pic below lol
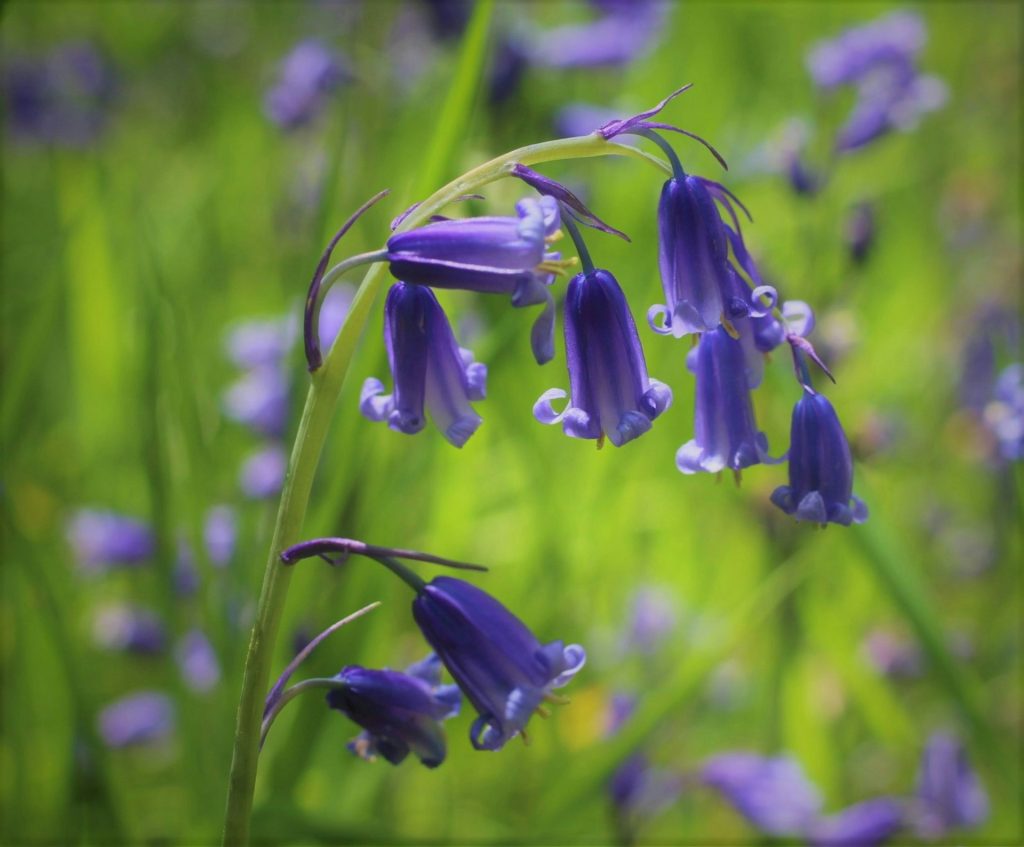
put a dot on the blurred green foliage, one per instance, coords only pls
(123, 264)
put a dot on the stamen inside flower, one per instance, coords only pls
(557, 235)
(559, 267)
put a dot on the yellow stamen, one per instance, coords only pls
(557, 699)
(544, 711)
(558, 266)
(737, 476)
(557, 235)
(729, 328)
(600, 441)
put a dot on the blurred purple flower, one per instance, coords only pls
(130, 629)
(949, 794)
(867, 824)
(185, 576)
(895, 39)
(497, 662)
(860, 232)
(262, 473)
(260, 400)
(399, 712)
(308, 75)
(197, 661)
(612, 394)
(620, 709)
(639, 791)
(725, 432)
(820, 467)
(893, 656)
(140, 718)
(62, 97)
(622, 34)
(653, 618)
(1004, 415)
(333, 312)
(894, 100)
(509, 64)
(427, 367)
(448, 18)
(256, 343)
(102, 540)
(773, 794)
(220, 532)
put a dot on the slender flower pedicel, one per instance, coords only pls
(611, 392)
(428, 368)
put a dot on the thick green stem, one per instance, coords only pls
(309, 441)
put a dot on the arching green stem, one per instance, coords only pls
(309, 441)
(577, 239)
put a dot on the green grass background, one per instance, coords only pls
(123, 264)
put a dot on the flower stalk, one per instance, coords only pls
(321, 400)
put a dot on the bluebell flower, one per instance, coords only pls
(893, 100)
(893, 656)
(772, 793)
(428, 368)
(141, 718)
(1004, 415)
(130, 629)
(725, 431)
(623, 34)
(492, 255)
(950, 795)
(260, 400)
(307, 77)
(693, 257)
(257, 343)
(103, 539)
(860, 232)
(262, 473)
(62, 97)
(220, 532)
(639, 791)
(654, 615)
(497, 662)
(399, 712)
(197, 661)
(611, 392)
(867, 824)
(448, 18)
(820, 467)
(891, 41)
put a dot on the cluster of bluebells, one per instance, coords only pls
(495, 660)
(105, 541)
(308, 76)
(62, 97)
(260, 399)
(713, 291)
(775, 797)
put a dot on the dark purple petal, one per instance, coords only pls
(860, 232)
(611, 392)
(725, 431)
(693, 256)
(496, 661)
(399, 713)
(617, 127)
(820, 467)
(428, 367)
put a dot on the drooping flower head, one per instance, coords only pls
(772, 793)
(949, 793)
(492, 255)
(820, 467)
(612, 394)
(102, 539)
(725, 431)
(497, 662)
(399, 712)
(428, 369)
